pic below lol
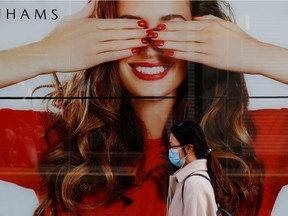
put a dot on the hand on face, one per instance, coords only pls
(208, 40)
(79, 42)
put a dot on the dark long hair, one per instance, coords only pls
(190, 132)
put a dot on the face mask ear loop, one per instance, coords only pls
(185, 154)
(184, 151)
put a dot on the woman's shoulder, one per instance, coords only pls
(270, 145)
(23, 136)
(199, 182)
(198, 187)
(12, 113)
(11, 117)
(22, 142)
(268, 113)
(267, 119)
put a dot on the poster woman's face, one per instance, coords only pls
(150, 72)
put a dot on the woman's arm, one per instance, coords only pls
(272, 62)
(221, 44)
(78, 42)
(21, 63)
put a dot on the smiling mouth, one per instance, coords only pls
(150, 71)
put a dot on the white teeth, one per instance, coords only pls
(150, 70)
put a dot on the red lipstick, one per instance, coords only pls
(150, 71)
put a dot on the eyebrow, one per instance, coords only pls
(172, 16)
(130, 17)
(163, 18)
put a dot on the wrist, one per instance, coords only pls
(254, 57)
(39, 58)
(270, 61)
(273, 59)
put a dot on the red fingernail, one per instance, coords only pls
(161, 27)
(89, 1)
(142, 23)
(155, 35)
(145, 40)
(159, 43)
(152, 34)
(135, 50)
(149, 31)
(169, 52)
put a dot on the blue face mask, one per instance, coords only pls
(174, 157)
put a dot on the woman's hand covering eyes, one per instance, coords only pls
(79, 42)
(222, 44)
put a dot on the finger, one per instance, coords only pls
(184, 46)
(190, 25)
(107, 35)
(111, 56)
(85, 12)
(185, 36)
(118, 45)
(183, 25)
(117, 23)
(192, 57)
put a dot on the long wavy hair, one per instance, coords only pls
(102, 130)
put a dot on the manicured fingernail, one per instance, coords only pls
(151, 34)
(159, 43)
(145, 40)
(154, 35)
(142, 23)
(149, 31)
(169, 52)
(89, 1)
(135, 50)
(161, 27)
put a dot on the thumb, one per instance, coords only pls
(86, 11)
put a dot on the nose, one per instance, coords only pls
(150, 50)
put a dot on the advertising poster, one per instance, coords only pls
(94, 95)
